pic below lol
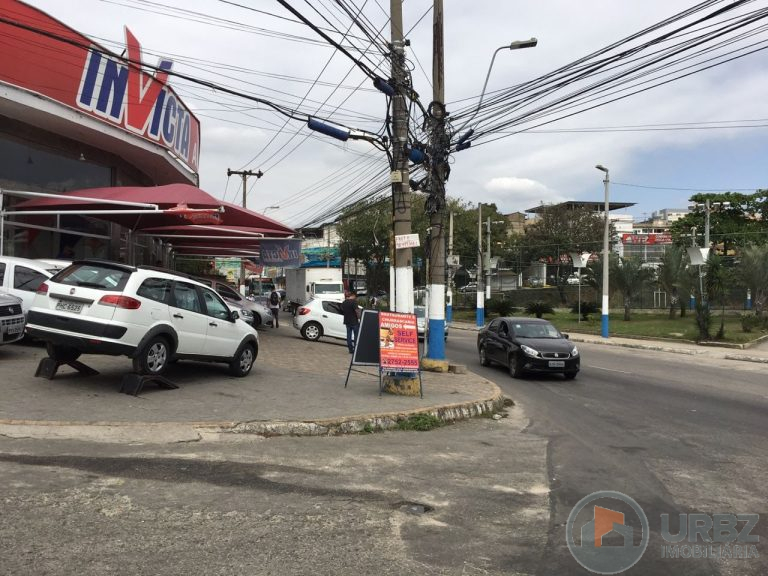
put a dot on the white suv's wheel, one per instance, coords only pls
(243, 361)
(153, 358)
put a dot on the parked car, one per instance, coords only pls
(535, 282)
(260, 313)
(317, 318)
(471, 287)
(148, 314)
(22, 276)
(526, 345)
(11, 318)
(573, 280)
(421, 321)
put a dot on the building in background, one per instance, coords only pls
(74, 115)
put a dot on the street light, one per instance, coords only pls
(270, 208)
(516, 45)
(606, 263)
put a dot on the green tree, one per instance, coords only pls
(735, 219)
(629, 277)
(717, 280)
(364, 232)
(753, 273)
(673, 278)
(561, 230)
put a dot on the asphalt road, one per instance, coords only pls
(677, 433)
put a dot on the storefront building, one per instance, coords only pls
(73, 116)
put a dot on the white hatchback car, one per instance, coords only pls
(318, 318)
(149, 315)
(21, 277)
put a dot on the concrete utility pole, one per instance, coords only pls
(480, 313)
(449, 285)
(244, 174)
(436, 281)
(401, 193)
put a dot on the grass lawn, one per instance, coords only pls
(643, 324)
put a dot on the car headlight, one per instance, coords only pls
(574, 352)
(528, 350)
(245, 313)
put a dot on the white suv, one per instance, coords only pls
(149, 315)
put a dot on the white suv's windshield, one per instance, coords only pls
(93, 276)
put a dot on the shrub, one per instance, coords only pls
(587, 308)
(500, 306)
(750, 321)
(539, 308)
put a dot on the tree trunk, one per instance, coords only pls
(627, 308)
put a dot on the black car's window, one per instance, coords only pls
(538, 330)
(227, 292)
(93, 276)
(332, 307)
(503, 329)
(27, 279)
(156, 289)
(494, 325)
(214, 306)
(2, 273)
(185, 297)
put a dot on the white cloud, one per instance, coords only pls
(511, 194)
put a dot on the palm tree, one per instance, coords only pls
(629, 277)
(753, 272)
(716, 284)
(672, 277)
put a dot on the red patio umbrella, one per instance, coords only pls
(180, 204)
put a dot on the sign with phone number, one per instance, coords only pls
(398, 342)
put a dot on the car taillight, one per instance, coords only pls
(303, 311)
(119, 301)
(43, 288)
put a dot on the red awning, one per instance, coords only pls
(181, 199)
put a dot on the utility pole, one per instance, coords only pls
(244, 174)
(449, 284)
(480, 314)
(401, 194)
(488, 259)
(436, 280)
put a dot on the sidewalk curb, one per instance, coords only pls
(371, 422)
(744, 358)
(176, 432)
(685, 351)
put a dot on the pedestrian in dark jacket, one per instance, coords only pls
(351, 319)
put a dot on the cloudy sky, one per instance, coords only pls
(257, 47)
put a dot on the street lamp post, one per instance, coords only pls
(606, 261)
(516, 45)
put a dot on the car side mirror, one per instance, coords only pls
(565, 336)
(234, 316)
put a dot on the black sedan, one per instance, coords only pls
(527, 345)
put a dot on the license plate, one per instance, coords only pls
(66, 306)
(557, 363)
(15, 328)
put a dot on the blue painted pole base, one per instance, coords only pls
(436, 340)
(480, 317)
(604, 325)
(449, 313)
